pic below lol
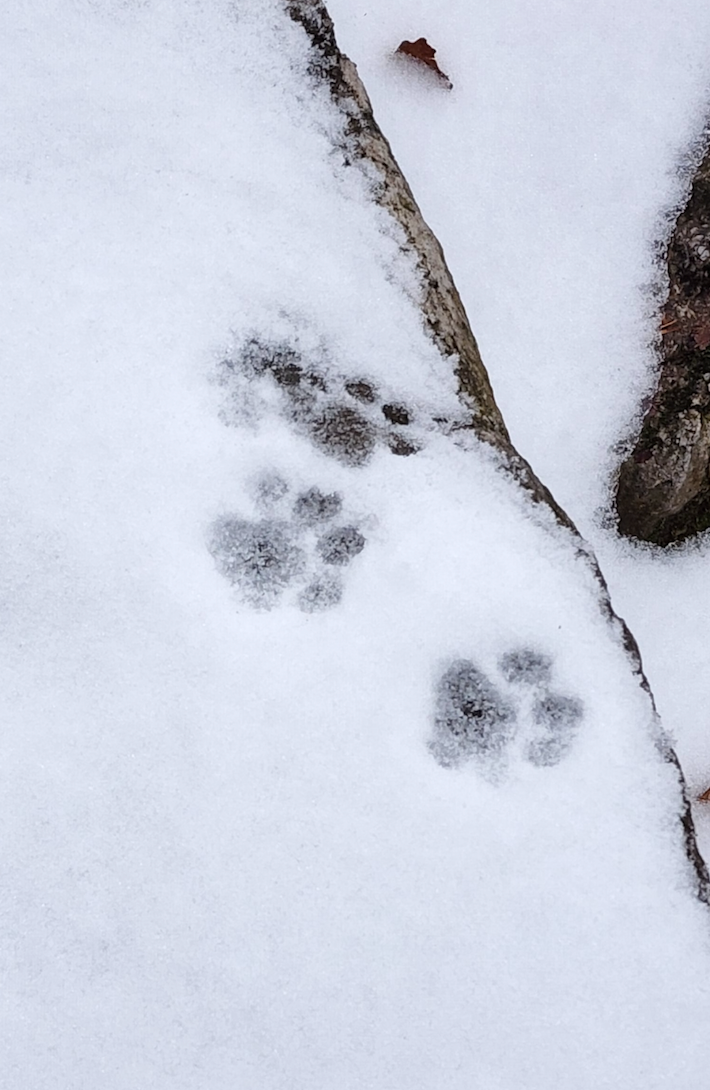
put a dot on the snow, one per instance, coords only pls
(550, 175)
(230, 856)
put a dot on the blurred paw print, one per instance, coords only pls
(478, 719)
(473, 720)
(344, 417)
(295, 549)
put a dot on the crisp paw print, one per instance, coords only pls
(295, 549)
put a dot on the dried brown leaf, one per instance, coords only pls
(424, 53)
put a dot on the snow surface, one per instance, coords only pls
(550, 175)
(230, 857)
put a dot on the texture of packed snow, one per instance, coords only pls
(254, 836)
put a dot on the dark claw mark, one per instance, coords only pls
(399, 445)
(289, 374)
(361, 391)
(315, 380)
(396, 414)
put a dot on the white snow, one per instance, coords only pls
(550, 175)
(229, 856)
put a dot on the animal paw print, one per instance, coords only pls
(300, 546)
(476, 719)
(555, 716)
(472, 719)
(345, 417)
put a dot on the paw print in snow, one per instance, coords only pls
(556, 719)
(339, 546)
(345, 417)
(555, 716)
(298, 551)
(269, 491)
(313, 508)
(261, 558)
(474, 720)
(323, 592)
(525, 666)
